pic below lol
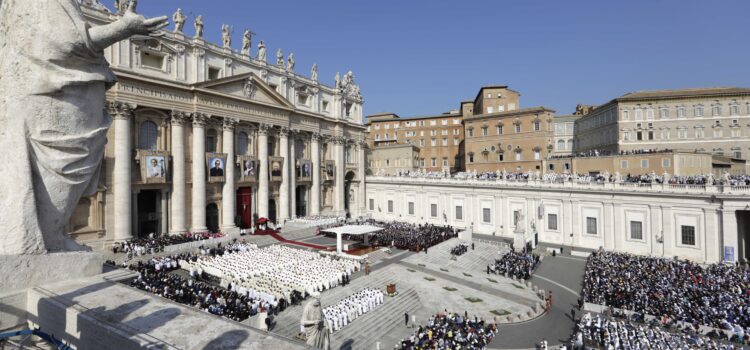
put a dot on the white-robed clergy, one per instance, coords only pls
(345, 311)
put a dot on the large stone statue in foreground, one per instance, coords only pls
(315, 325)
(53, 123)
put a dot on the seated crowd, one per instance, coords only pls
(154, 276)
(600, 332)
(318, 220)
(460, 249)
(404, 235)
(274, 273)
(347, 310)
(450, 331)
(153, 244)
(716, 295)
(519, 265)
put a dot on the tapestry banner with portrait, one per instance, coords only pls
(153, 166)
(217, 163)
(329, 173)
(277, 167)
(249, 167)
(304, 170)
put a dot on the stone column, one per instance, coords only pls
(164, 209)
(316, 169)
(362, 194)
(179, 198)
(122, 183)
(228, 192)
(263, 171)
(293, 176)
(198, 220)
(134, 227)
(338, 192)
(284, 188)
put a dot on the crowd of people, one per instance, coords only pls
(318, 220)
(604, 333)
(725, 179)
(347, 310)
(518, 264)
(154, 276)
(403, 235)
(460, 249)
(716, 295)
(450, 331)
(153, 244)
(275, 272)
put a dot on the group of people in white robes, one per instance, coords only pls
(347, 310)
(275, 272)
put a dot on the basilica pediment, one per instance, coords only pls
(247, 86)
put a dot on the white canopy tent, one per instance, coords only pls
(351, 230)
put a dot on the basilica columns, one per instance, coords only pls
(338, 191)
(317, 167)
(263, 171)
(121, 184)
(361, 193)
(228, 194)
(198, 221)
(293, 177)
(284, 188)
(179, 224)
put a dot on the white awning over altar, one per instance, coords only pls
(351, 230)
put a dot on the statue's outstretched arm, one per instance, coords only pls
(130, 24)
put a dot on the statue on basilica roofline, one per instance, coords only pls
(261, 51)
(247, 39)
(226, 36)
(290, 63)
(179, 20)
(337, 81)
(280, 58)
(314, 72)
(52, 112)
(349, 87)
(199, 27)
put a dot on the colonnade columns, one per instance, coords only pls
(263, 171)
(163, 211)
(338, 191)
(179, 200)
(198, 220)
(293, 176)
(121, 184)
(228, 192)
(361, 196)
(284, 188)
(317, 167)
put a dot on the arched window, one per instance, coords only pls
(147, 136)
(570, 145)
(211, 140)
(242, 142)
(560, 145)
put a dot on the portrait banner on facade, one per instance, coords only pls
(217, 166)
(249, 167)
(304, 170)
(277, 167)
(153, 166)
(329, 172)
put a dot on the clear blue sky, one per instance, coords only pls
(423, 57)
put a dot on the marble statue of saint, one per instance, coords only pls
(199, 27)
(261, 51)
(290, 62)
(315, 324)
(314, 72)
(280, 58)
(179, 20)
(53, 124)
(226, 35)
(247, 39)
(337, 80)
